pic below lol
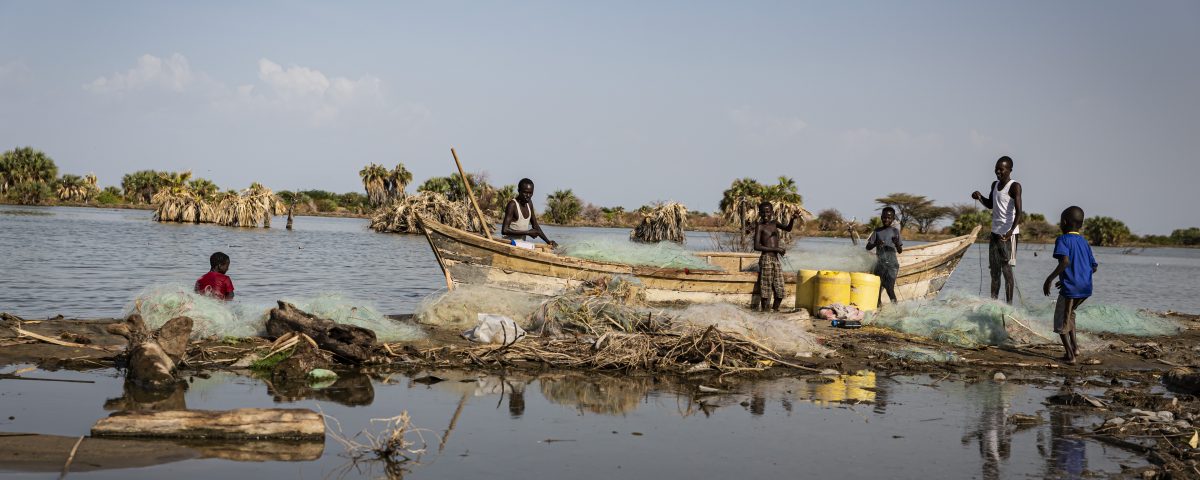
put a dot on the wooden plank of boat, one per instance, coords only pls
(474, 260)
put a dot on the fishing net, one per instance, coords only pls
(217, 318)
(210, 317)
(785, 336)
(965, 320)
(663, 254)
(346, 311)
(460, 308)
(614, 304)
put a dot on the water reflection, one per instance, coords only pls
(351, 389)
(596, 394)
(990, 429)
(136, 398)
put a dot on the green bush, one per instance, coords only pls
(110, 196)
(967, 221)
(326, 205)
(30, 192)
(1105, 231)
(1186, 236)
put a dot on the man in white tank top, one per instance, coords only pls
(519, 219)
(1005, 203)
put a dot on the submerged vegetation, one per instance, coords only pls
(401, 215)
(251, 207)
(665, 222)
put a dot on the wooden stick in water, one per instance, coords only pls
(483, 226)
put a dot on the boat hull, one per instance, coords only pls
(469, 259)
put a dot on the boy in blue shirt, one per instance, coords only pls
(1075, 268)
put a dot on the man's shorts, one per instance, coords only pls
(1001, 252)
(1064, 313)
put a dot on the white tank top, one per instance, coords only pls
(1004, 210)
(522, 221)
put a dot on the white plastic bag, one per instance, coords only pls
(494, 328)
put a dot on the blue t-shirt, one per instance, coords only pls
(1077, 278)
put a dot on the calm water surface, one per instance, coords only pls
(571, 426)
(88, 262)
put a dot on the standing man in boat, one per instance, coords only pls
(1005, 203)
(519, 219)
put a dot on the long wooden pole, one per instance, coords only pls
(483, 224)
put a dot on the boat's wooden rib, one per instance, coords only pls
(473, 260)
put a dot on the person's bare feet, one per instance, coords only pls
(1068, 359)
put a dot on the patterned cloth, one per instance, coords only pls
(770, 276)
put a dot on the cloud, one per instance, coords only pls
(282, 93)
(170, 74)
(14, 72)
(760, 126)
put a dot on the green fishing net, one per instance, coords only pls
(662, 254)
(217, 318)
(965, 320)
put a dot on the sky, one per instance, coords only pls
(626, 103)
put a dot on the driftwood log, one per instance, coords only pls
(350, 343)
(1183, 379)
(30, 452)
(153, 355)
(244, 423)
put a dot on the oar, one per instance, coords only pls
(483, 226)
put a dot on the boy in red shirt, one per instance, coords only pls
(215, 283)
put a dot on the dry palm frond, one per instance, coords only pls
(249, 208)
(665, 222)
(401, 215)
(743, 214)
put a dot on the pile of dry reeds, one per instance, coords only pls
(689, 350)
(248, 208)
(664, 222)
(401, 215)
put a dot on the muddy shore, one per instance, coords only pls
(1122, 382)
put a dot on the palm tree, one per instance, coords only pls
(398, 180)
(73, 188)
(376, 179)
(25, 164)
(563, 206)
(203, 187)
(140, 186)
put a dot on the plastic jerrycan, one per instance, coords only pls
(806, 288)
(864, 291)
(832, 287)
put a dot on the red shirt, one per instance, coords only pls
(215, 284)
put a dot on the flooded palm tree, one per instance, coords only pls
(398, 180)
(198, 202)
(375, 180)
(664, 222)
(73, 188)
(401, 215)
(26, 165)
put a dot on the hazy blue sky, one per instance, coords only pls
(627, 102)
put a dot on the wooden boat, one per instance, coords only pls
(470, 259)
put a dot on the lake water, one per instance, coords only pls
(571, 426)
(90, 263)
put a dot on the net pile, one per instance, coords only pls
(968, 321)
(663, 254)
(217, 318)
(460, 308)
(790, 338)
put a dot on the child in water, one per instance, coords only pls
(1074, 272)
(886, 241)
(215, 283)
